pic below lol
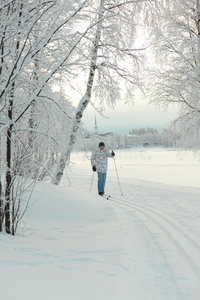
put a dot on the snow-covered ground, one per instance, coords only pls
(76, 245)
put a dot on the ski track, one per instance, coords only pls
(172, 247)
(162, 244)
(138, 241)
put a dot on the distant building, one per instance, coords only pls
(96, 132)
(106, 134)
(132, 140)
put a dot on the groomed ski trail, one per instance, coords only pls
(160, 253)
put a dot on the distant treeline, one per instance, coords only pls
(141, 131)
(146, 137)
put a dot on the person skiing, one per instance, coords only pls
(99, 162)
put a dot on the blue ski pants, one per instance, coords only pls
(101, 182)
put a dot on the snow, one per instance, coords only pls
(73, 244)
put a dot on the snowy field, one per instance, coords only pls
(76, 245)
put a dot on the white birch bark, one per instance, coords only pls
(65, 156)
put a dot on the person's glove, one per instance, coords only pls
(112, 153)
(94, 168)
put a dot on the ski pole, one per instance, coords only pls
(91, 182)
(118, 177)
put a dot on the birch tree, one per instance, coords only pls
(175, 73)
(111, 43)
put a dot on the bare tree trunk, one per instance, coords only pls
(1, 190)
(1, 207)
(65, 156)
(8, 188)
(1, 200)
(8, 169)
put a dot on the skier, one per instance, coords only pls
(99, 162)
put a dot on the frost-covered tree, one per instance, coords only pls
(111, 61)
(42, 42)
(31, 56)
(175, 71)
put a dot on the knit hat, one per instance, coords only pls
(101, 144)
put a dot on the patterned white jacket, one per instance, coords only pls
(99, 159)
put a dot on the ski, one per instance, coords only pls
(107, 197)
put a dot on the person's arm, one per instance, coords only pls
(112, 154)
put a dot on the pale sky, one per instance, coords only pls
(127, 117)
